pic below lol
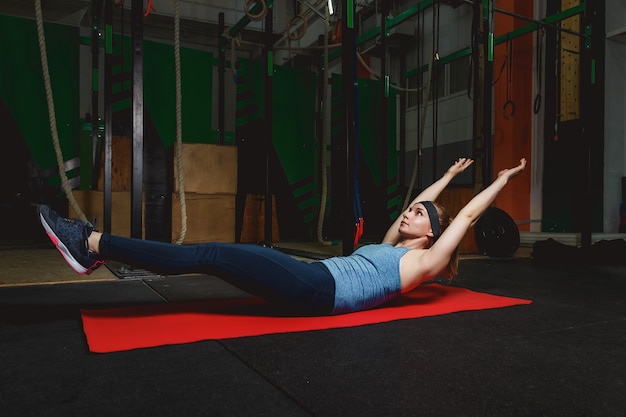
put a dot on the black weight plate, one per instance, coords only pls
(496, 234)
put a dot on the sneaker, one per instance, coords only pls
(70, 238)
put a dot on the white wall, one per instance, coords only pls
(455, 114)
(614, 112)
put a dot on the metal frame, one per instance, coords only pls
(268, 58)
(95, 67)
(348, 80)
(108, 114)
(138, 111)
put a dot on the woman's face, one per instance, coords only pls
(415, 222)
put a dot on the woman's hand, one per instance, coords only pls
(460, 165)
(512, 172)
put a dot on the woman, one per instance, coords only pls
(421, 244)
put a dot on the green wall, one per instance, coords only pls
(196, 68)
(23, 91)
(295, 140)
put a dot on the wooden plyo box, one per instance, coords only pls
(210, 217)
(121, 164)
(208, 169)
(253, 228)
(92, 204)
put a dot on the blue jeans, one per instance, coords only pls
(261, 271)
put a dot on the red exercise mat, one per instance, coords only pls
(126, 328)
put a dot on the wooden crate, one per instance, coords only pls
(121, 163)
(253, 228)
(210, 217)
(92, 204)
(207, 169)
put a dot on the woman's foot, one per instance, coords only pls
(70, 238)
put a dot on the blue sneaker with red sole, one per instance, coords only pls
(70, 238)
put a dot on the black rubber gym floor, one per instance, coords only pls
(563, 355)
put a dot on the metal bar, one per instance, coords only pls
(489, 26)
(487, 98)
(435, 86)
(95, 100)
(592, 117)
(136, 221)
(384, 113)
(409, 13)
(392, 22)
(421, 6)
(477, 142)
(402, 133)
(269, 131)
(221, 68)
(348, 80)
(108, 115)
(313, 9)
(547, 22)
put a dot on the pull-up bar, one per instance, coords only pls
(536, 24)
(548, 22)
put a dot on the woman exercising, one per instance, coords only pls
(421, 244)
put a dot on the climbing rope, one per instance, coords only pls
(51, 113)
(179, 126)
(431, 69)
(235, 41)
(407, 199)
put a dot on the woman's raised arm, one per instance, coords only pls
(437, 257)
(430, 193)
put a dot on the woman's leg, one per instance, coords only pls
(258, 270)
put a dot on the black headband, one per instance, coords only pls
(434, 218)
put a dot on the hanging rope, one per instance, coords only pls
(51, 113)
(235, 41)
(407, 199)
(431, 69)
(179, 126)
(508, 110)
(436, 73)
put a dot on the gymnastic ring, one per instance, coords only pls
(508, 104)
(259, 16)
(302, 31)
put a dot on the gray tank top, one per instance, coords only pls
(367, 278)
